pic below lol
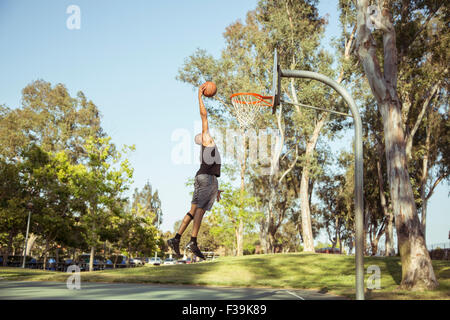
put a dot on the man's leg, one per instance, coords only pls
(192, 245)
(187, 219)
(199, 212)
(174, 243)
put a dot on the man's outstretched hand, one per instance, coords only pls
(201, 89)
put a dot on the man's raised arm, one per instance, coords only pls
(206, 138)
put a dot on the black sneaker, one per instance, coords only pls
(192, 247)
(174, 243)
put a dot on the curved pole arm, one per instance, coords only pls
(359, 205)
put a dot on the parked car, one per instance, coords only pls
(120, 260)
(84, 259)
(184, 260)
(16, 261)
(329, 250)
(154, 261)
(108, 264)
(210, 255)
(51, 264)
(136, 262)
(32, 263)
(170, 261)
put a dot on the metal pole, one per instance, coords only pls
(359, 205)
(156, 251)
(26, 236)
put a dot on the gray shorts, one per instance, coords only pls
(205, 191)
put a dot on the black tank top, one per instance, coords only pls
(211, 161)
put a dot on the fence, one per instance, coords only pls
(62, 266)
(439, 251)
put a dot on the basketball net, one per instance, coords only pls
(247, 107)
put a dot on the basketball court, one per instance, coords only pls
(31, 290)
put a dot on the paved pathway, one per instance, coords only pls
(124, 291)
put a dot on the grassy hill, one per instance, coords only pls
(327, 273)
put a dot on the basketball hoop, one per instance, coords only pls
(247, 107)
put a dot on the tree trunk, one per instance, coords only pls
(47, 244)
(91, 259)
(366, 227)
(7, 250)
(240, 227)
(417, 270)
(116, 257)
(369, 252)
(307, 234)
(272, 240)
(94, 238)
(389, 231)
(5, 254)
(240, 242)
(389, 236)
(423, 183)
(424, 218)
(375, 238)
(31, 241)
(308, 240)
(270, 219)
(338, 233)
(239, 239)
(263, 235)
(374, 246)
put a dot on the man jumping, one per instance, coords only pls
(206, 187)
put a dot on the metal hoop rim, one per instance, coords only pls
(256, 95)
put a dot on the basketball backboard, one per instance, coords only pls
(276, 82)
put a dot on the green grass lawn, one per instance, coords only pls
(328, 273)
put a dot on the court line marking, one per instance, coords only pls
(291, 293)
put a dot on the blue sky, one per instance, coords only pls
(125, 58)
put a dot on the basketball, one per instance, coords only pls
(210, 89)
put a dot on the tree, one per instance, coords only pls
(12, 139)
(55, 121)
(288, 19)
(148, 201)
(12, 207)
(417, 270)
(276, 195)
(289, 237)
(336, 209)
(138, 223)
(54, 154)
(44, 138)
(430, 154)
(236, 211)
(102, 186)
(48, 181)
(137, 233)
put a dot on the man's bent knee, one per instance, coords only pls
(189, 215)
(200, 211)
